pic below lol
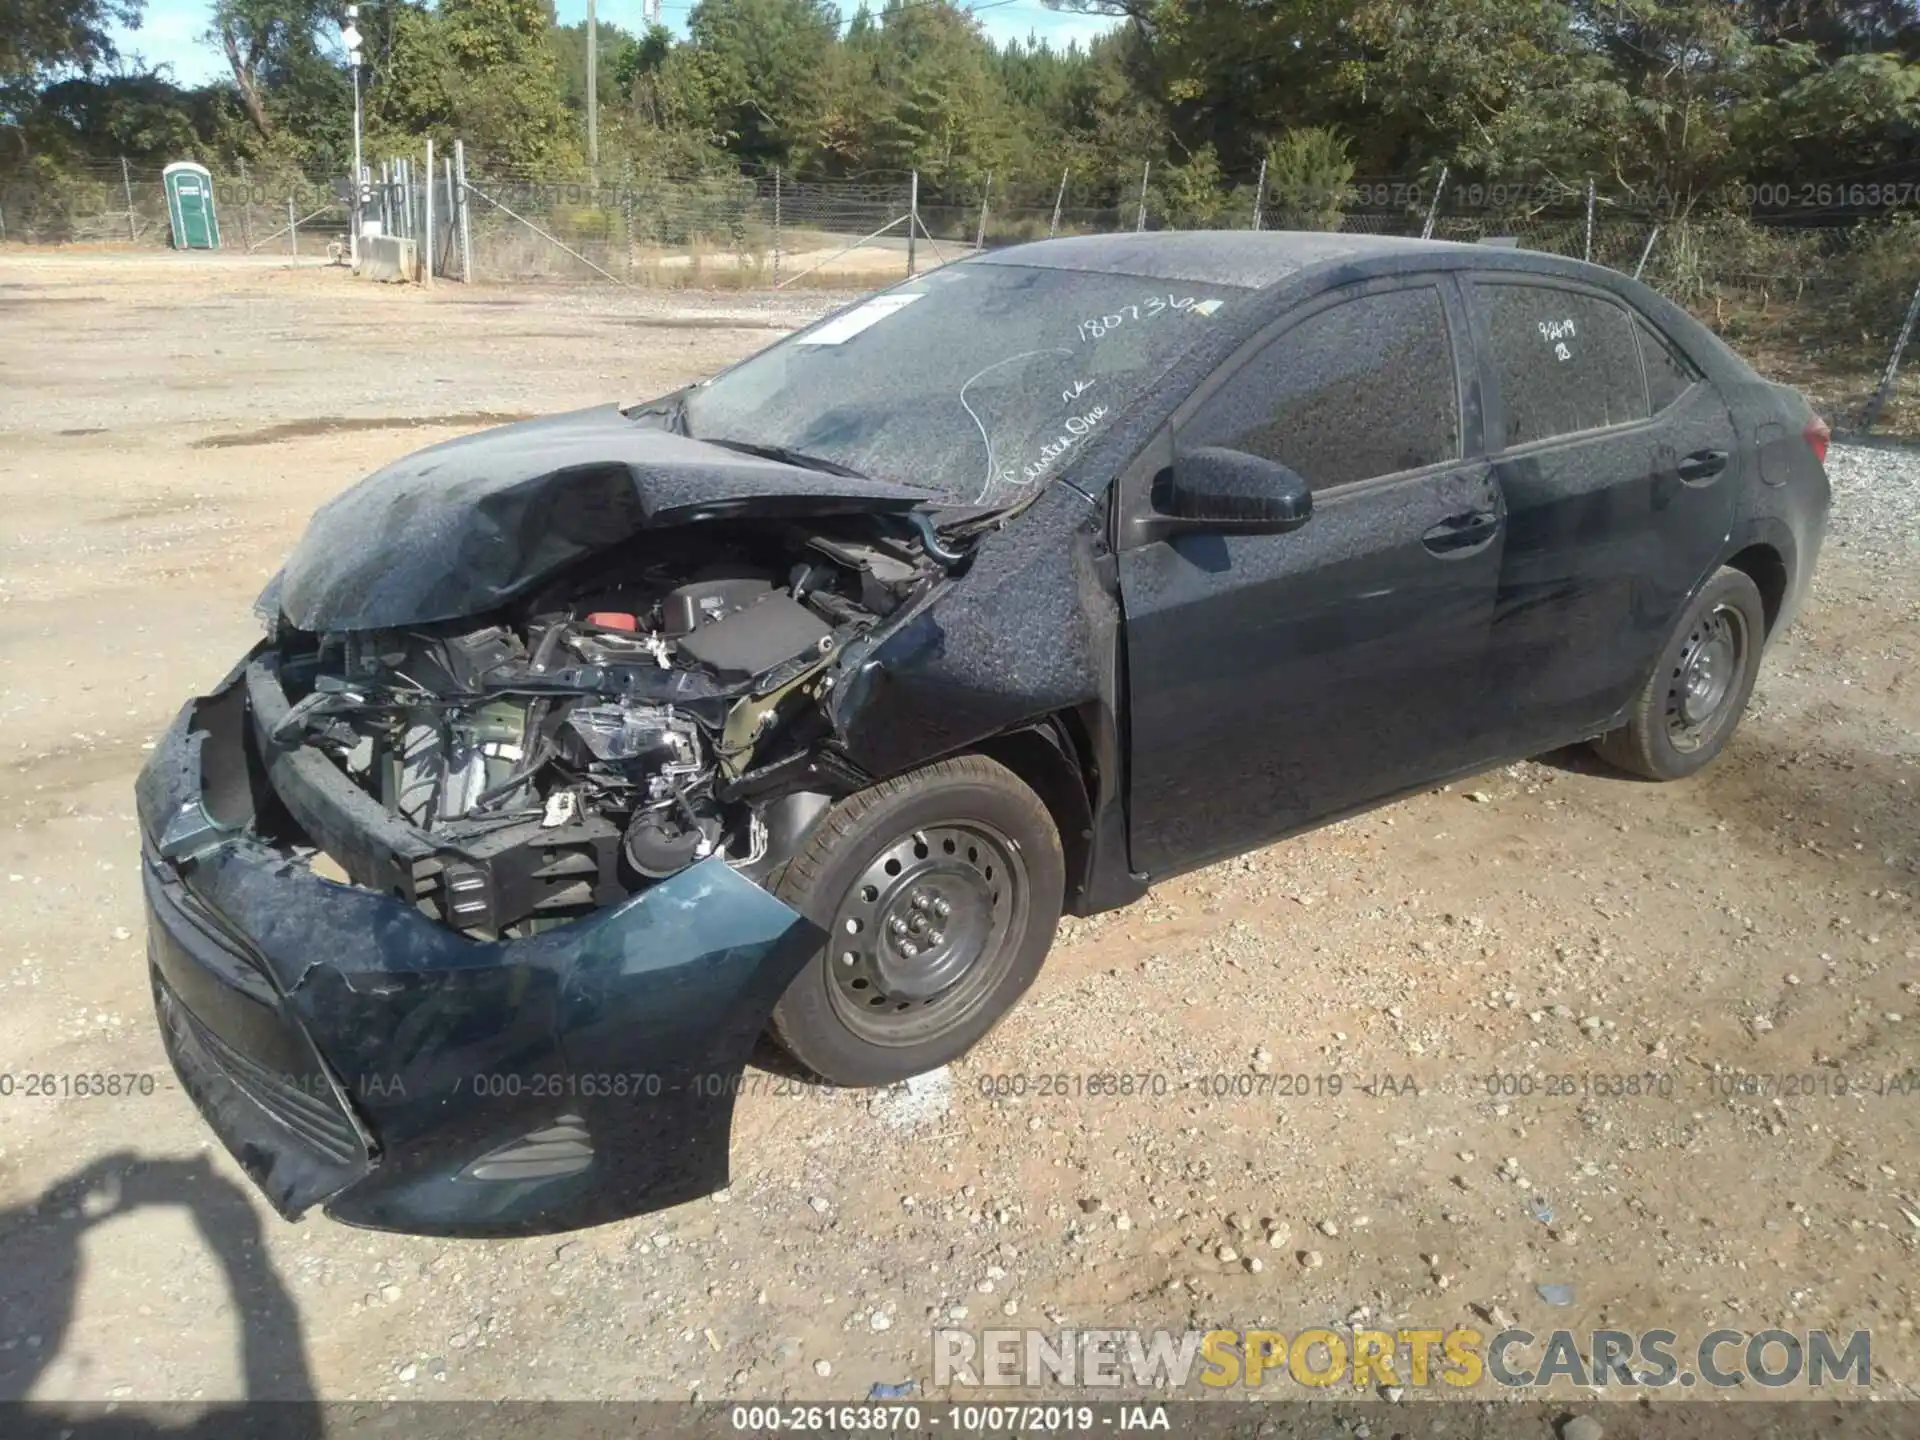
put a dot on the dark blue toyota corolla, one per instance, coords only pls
(581, 753)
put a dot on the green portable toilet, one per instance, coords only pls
(190, 206)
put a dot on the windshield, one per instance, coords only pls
(977, 383)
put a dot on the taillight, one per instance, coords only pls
(1817, 434)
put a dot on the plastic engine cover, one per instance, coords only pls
(752, 641)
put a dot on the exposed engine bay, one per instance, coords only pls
(580, 745)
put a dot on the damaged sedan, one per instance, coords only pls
(582, 753)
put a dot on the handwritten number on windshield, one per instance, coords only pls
(1099, 326)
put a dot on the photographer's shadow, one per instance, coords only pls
(41, 1258)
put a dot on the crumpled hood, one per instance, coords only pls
(462, 527)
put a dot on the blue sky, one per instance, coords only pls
(171, 30)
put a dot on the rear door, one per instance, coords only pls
(1274, 680)
(196, 213)
(1618, 469)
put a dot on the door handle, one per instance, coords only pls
(1701, 465)
(1461, 534)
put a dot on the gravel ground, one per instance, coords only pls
(162, 448)
(1876, 498)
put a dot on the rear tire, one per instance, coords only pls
(939, 891)
(1698, 691)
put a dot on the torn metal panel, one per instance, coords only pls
(1014, 637)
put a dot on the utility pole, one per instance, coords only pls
(980, 235)
(913, 218)
(1140, 220)
(350, 37)
(593, 97)
(1059, 199)
(1259, 193)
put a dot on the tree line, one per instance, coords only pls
(1683, 101)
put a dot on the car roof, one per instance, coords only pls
(1256, 259)
(1273, 259)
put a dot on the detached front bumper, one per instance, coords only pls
(353, 1052)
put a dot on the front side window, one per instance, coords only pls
(1567, 361)
(1363, 388)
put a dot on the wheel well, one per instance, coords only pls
(1762, 565)
(1046, 759)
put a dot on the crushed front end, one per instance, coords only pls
(457, 928)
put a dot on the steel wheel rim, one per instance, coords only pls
(927, 930)
(1706, 676)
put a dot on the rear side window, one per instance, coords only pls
(1360, 389)
(1668, 373)
(1566, 361)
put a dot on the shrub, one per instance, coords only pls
(1708, 255)
(1882, 269)
(1308, 174)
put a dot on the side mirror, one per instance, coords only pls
(1228, 492)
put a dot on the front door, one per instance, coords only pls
(1618, 468)
(195, 207)
(1276, 680)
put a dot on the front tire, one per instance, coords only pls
(939, 891)
(1693, 702)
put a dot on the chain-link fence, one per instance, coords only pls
(722, 231)
(260, 210)
(765, 228)
(1762, 276)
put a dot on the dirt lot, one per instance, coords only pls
(165, 429)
